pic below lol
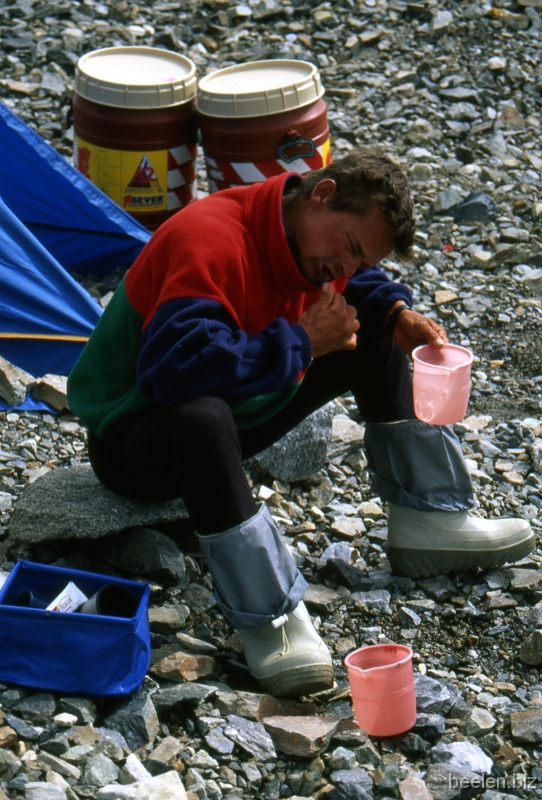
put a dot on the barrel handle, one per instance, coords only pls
(293, 139)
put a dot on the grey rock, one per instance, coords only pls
(378, 599)
(430, 726)
(81, 707)
(100, 771)
(349, 791)
(322, 494)
(110, 746)
(439, 587)
(192, 645)
(60, 765)
(440, 23)
(303, 451)
(342, 758)
(9, 764)
(218, 741)
(432, 695)
(23, 730)
(356, 775)
(458, 94)
(168, 619)
(136, 719)
(526, 726)
(448, 782)
(14, 383)
(478, 722)
(162, 787)
(337, 550)
(462, 112)
(147, 553)
(37, 708)
(58, 745)
(346, 436)
(531, 648)
(447, 199)
(408, 617)
(73, 504)
(251, 737)
(52, 389)
(534, 616)
(133, 771)
(39, 790)
(529, 580)
(188, 695)
(464, 755)
(413, 744)
(477, 207)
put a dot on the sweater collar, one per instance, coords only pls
(263, 209)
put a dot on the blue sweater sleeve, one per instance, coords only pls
(373, 294)
(193, 346)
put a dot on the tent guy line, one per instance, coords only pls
(62, 338)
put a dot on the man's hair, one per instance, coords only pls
(365, 179)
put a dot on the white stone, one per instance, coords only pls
(36, 790)
(65, 720)
(497, 63)
(162, 787)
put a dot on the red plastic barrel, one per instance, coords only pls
(262, 119)
(135, 124)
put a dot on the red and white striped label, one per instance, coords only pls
(182, 176)
(227, 174)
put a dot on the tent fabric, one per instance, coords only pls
(39, 299)
(74, 220)
(52, 221)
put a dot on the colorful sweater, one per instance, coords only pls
(210, 306)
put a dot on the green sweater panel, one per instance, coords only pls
(102, 388)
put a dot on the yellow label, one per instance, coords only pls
(136, 180)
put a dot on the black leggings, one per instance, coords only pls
(193, 449)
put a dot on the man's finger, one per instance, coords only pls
(327, 296)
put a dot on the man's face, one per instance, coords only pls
(329, 244)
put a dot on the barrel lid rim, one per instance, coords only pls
(208, 96)
(188, 82)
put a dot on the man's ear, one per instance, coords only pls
(323, 192)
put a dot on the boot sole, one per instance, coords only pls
(427, 563)
(299, 681)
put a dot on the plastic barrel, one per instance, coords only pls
(262, 119)
(135, 125)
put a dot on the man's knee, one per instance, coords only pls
(205, 416)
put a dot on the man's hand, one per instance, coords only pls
(330, 323)
(413, 329)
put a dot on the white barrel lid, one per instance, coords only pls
(259, 88)
(136, 77)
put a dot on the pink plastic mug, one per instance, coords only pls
(441, 383)
(382, 685)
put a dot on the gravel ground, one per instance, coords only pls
(452, 90)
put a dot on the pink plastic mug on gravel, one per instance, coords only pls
(382, 686)
(441, 383)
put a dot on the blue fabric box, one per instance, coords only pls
(72, 653)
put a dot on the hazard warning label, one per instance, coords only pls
(136, 180)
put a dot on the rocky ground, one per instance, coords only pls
(452, 90)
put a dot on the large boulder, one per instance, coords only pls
(73, 504)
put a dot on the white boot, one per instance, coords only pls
(289, 660)
(424, 543)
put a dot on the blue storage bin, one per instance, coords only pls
(71, 653)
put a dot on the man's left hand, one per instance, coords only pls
(413, 329)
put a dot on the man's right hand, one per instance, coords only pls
(330, 323)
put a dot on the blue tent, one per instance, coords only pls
(77, 223)
(52, 221)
